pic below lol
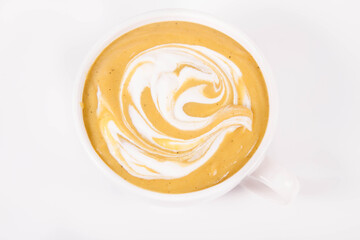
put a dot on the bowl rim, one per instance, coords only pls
(195, 17)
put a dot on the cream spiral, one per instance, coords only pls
(177, 103)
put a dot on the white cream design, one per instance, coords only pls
(138, 144)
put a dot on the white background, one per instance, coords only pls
(50, 189)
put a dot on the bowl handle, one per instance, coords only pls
(273, 181)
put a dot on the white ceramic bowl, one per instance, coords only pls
(204, 19)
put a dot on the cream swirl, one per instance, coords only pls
(177, 103)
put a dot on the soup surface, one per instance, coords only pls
(175, 107)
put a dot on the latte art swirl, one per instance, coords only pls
(177, 103)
